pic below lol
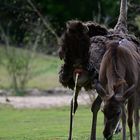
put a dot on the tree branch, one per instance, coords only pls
(43, 20)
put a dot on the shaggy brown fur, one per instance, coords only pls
(75, 44)
(82, 41)
(75, 49)
(95, 29)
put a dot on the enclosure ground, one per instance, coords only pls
(47, 124)
(43, 101)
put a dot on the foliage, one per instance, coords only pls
(138, 21)
(16, 18)
(43, 71)
(133, 17)
(18, 65)
(19, 17)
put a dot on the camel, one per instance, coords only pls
(82, 48)
(114, 108)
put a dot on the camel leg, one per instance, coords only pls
(73, 107)
(130, 108)
(123, 122)
(136, 118)
(95, 108)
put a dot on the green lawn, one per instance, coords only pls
(46, 124)
(45, 72)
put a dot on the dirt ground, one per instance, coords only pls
(44, 101)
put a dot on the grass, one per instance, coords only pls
(47, 124)
(44, 71)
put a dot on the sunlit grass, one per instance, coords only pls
(45, 72)
(47, 124)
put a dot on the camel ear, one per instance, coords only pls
(100, 90)
(128, 93)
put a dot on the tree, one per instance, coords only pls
(16, 17)
(19, 16)
(18, 63)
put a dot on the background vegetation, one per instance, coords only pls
(20, 18)
(34, 26)
(43, 70)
